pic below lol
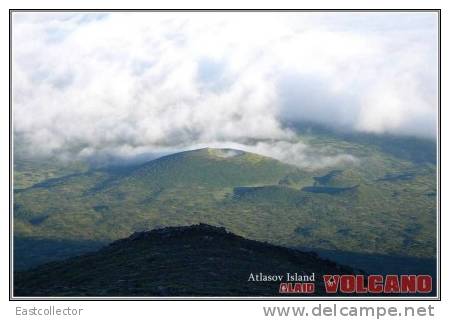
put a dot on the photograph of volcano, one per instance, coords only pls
(217, 155)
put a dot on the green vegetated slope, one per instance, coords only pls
(29, 171)
(383, 203)
(198, 260)
(107, 205)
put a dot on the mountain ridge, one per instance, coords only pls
(197, 260)
(365, 208)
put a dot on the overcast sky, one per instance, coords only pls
(127, 83)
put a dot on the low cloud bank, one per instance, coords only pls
(127, 84)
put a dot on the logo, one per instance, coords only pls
(297, 287)
(378, 284)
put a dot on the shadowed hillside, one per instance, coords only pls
(199, 260)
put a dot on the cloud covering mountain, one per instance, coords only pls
(123, 84)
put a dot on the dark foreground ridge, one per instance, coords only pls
(198, 260)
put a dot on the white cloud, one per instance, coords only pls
(296, 153)
(130, 83)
